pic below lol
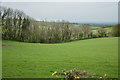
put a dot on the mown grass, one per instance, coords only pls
(35, 60)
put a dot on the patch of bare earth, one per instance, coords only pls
(6, 46)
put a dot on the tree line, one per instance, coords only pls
(16, 25)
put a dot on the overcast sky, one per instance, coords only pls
(80, 12)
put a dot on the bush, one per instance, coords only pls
(77, 74)
(116, 30)
(101, 32)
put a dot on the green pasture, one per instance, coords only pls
(38, 60)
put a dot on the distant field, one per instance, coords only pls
(95, 27)
(26, 60)
(92, 26)
(107, 28)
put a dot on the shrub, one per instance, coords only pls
(101, 32)
(116, 30)
(80, 75)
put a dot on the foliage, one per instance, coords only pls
(16, 25)
(116, 30)
(13, 23)
(77, 74)
(101, 32)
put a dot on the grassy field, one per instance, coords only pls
(109, 29)
(25, 60)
